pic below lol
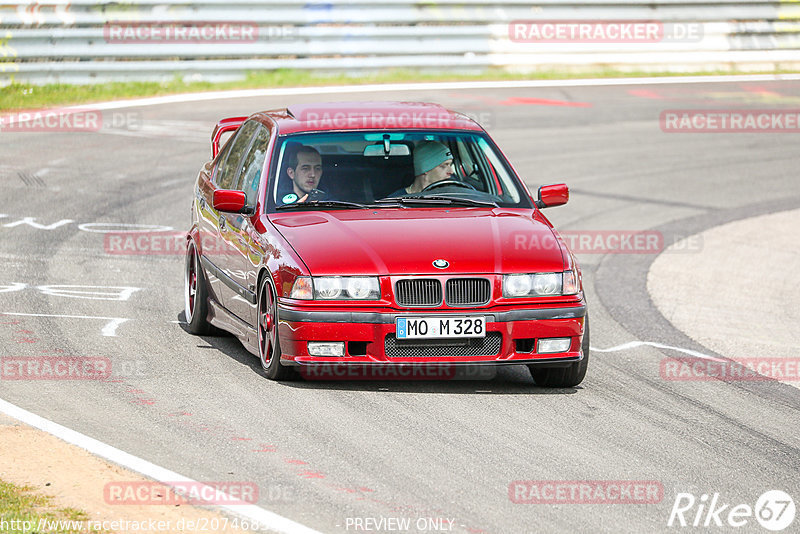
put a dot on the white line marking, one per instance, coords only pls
(15, 286)
(109, 330)
(433, 86)
(119, 228)
(263, 517)
(634, 344)
(121, 293)
(31, 221)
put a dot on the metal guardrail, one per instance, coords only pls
(82, 41)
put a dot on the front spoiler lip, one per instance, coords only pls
(528, 314)
(395, 363)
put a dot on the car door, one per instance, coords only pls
(208, 220)
(217, 251)
(241, 235)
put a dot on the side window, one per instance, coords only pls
(502, 181)
(470, 165)
(252, 165)
(226, 175)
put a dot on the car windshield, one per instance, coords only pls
(352, 170)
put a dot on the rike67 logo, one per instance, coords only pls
(774, 510)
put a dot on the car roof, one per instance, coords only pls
(351, 116)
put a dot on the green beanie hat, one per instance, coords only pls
(430, 154)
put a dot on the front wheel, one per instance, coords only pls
(269, 346)
(564, 377)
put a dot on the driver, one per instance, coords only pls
(305, 172)
(433, 162)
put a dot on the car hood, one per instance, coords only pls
(391, 241)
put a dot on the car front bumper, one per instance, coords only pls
(369, 336)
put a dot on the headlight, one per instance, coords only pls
(516, 285)
(363, 288)
(327, 288)
(336, 288)
(539, 284)
(547, 284)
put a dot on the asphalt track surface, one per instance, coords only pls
(326, 453)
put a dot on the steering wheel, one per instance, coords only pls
(441, 183)
(317, 194)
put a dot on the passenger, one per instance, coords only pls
(305, 172)
(252, 178)
(433, 162)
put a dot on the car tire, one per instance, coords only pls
(564, 377)
(269, 345)
(195, 294)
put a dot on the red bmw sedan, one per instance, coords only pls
(380, 234)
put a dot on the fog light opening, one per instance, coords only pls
(525, 345)
(326, 348)
(553, 345)
(357, 348)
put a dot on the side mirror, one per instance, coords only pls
(552, 195)
(229, 200)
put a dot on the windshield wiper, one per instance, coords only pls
(437, 200)
(323, 204)
(413, 200)
(465, 201)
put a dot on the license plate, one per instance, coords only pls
(440, 327)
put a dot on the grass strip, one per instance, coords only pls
(25, 96)
(24, 511)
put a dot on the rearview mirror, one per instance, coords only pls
(552, 195)
(396, 149)
(229, 200)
